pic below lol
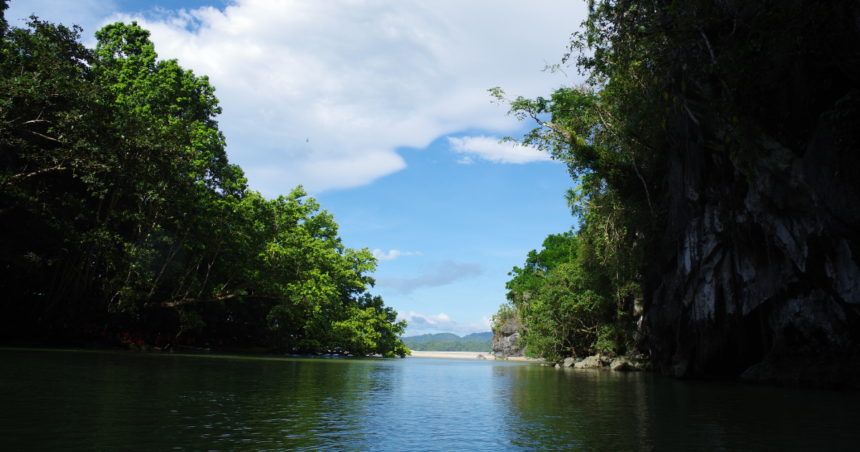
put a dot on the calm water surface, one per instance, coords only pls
(102, 401)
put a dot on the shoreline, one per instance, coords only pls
(467, 355)
(237, 352)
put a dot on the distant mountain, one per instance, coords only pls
(478, 337)
(451, 346)
(447, 337)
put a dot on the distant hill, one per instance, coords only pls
(447, 337)
(478, 337)
(447, 342)
(451, 346)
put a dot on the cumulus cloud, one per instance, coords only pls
(435, 275)
(489, 148)
(392, 254)
(86, 13)
(443, 322)
(325, 93)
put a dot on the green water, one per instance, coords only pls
(105, 401)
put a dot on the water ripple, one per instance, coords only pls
(115, 401)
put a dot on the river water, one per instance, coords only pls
(106, 401)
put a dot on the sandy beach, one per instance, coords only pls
(452, 355)
(465, 355)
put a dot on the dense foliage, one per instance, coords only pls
(566, 299)
(659, 74)
(120, 211)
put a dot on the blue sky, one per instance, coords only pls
(379, 108)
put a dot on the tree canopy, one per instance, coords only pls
(121, 211)
(708, 80)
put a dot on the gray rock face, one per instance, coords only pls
(620, 364)
(505, 339)
(761, 264)
(568, 362)
(592, 362)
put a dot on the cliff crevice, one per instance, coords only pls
(761, 268)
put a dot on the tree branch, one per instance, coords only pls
(185, 301)
(19, 177)
(43, 136)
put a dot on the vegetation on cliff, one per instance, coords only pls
(566, 300)
(682, 102)
(122, 214)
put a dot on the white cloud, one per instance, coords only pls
(392, 254)
(466, 160)
(442, 322)
(86, 13)
(435, 275)
(489, 148)
(324, 93)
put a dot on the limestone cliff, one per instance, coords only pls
(505, 339)
(754, 271)
(759, 271)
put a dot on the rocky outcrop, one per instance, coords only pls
(505, 339)
(760, 271)
(630, 362)
(621, 364)
(592, 362)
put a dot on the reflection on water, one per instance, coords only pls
(126, 401)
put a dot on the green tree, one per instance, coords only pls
(121, 207)
(49, 123)
(699, 79)
(564, 298)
